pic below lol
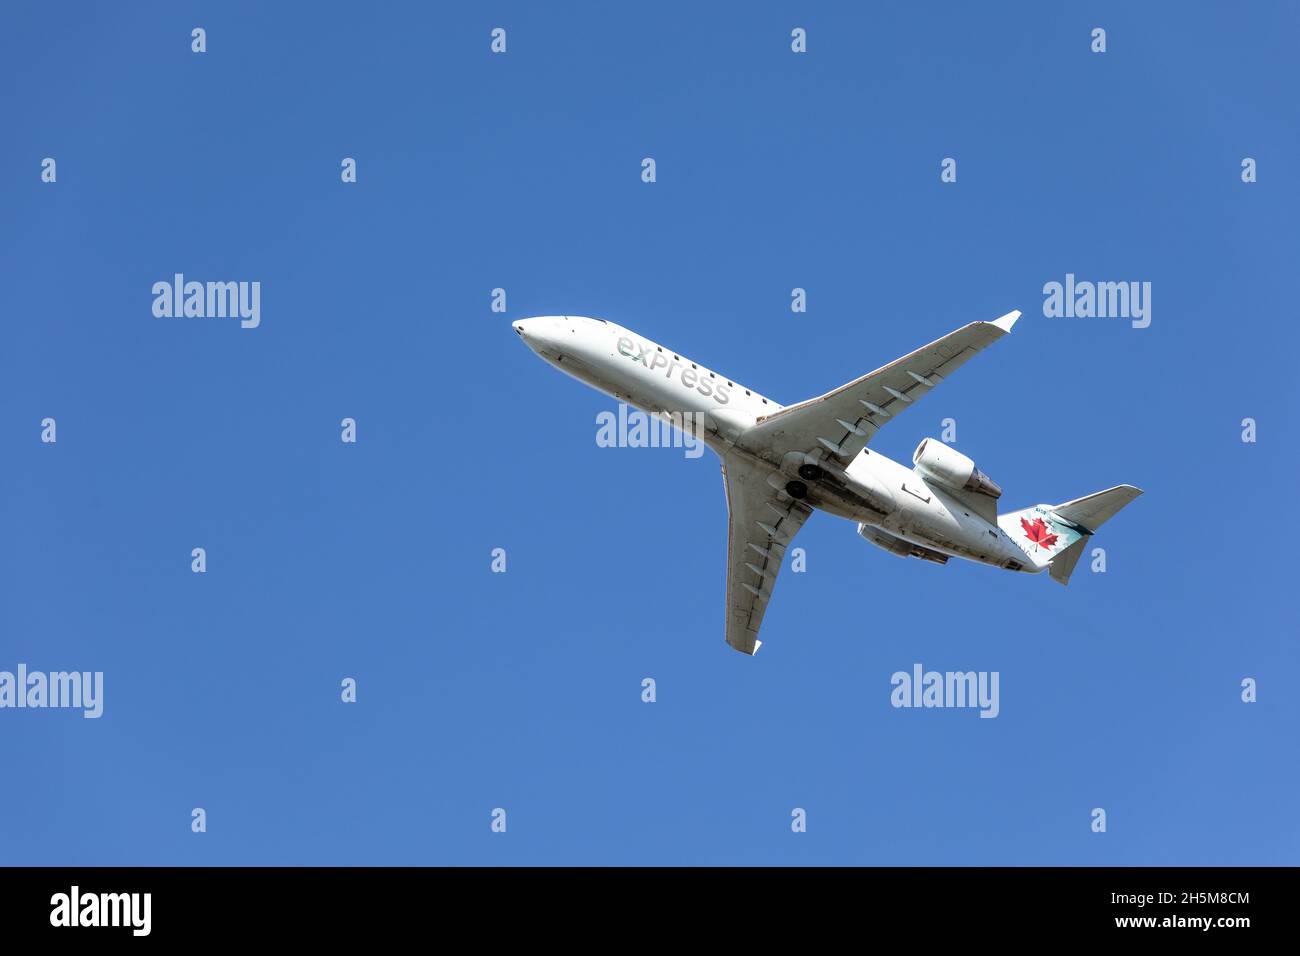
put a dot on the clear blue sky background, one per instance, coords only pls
(522, 690)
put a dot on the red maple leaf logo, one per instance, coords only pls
(1038, 533)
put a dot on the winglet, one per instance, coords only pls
(1006, 321)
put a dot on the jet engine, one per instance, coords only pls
(937, 461)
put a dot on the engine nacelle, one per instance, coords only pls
(904, 549)
(937, 461)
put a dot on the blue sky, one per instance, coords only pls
(522, 690)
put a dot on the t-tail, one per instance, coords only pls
(1054, 536)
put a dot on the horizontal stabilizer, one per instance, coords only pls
(1093, 511)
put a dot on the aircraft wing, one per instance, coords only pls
(760, 527)
(837, 426)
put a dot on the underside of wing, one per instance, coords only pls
(837, 426)
(760, 528)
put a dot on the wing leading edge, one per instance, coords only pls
(839, 424)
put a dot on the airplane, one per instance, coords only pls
(782, 463)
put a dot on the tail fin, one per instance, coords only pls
(1054, 536)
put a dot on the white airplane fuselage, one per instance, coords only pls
(872, 489)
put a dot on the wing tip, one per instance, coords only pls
(1132, 490)
(1005, 322)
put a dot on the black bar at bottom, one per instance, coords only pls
(374, 904)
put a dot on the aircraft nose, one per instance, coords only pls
(527, 329)
(539, 332)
